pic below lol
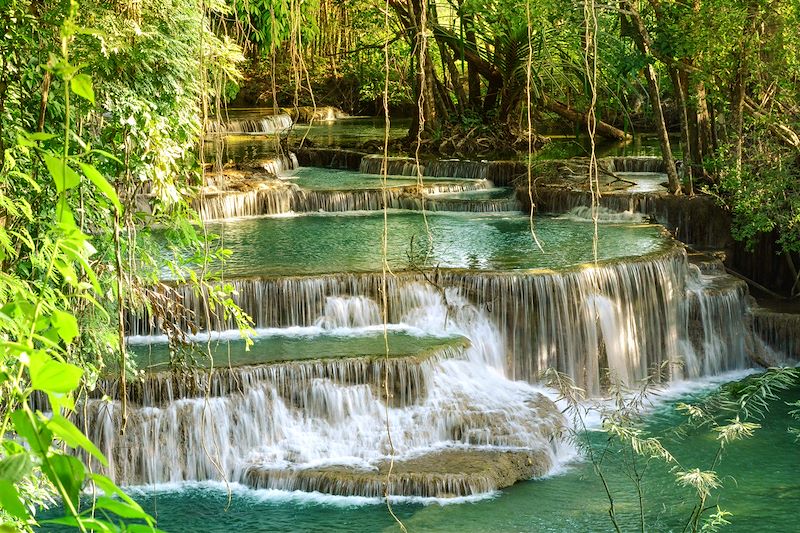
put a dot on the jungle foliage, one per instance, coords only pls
(717, 77)
(105, 100)
(98, 102)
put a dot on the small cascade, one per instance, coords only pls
(278, 165)
(395, 166)
(780, 331)
(349, 312)
(604, 215)
(500, 172)
(234, 204)
(269, 124)
(434, 203)
(719, 333)
(457, 168)
(449, 473)
(408, 376)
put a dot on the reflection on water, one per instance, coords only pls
(351, 242)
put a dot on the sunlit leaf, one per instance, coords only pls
(66, 431)
(81, 84)
(50, 375)
(63, 176)
(102, 184)
(65, 471)
(10, 502)
(38, 436)
(15, 467)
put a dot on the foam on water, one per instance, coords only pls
(308, 423)
(605, 215)
(296, 496)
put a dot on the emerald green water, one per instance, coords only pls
(349, 132)
(295, 344)
(760, 478)
(323, 179)
(351, 242)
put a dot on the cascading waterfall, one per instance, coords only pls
(320, 425)
(717, 303)
(288, 197)
(274, 429)
(549, 318)
(266, 125)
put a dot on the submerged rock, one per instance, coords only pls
(444, 474)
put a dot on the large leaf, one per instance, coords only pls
(50, 375)
(66, 431)
(10, 502)
(102, 184)
(65, 324)
(38, 436)
(81, 84)
(88, 523)
(63, 176)
(123, 509)
(65, 472)
(15, 467)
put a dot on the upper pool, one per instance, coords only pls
(324, 243)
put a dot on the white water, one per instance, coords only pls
(584, 213)
(323, 421)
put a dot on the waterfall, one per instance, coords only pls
(266, 125)
(281, 425)
(779, 331)
(548, 319)
(349, 312)
(233, 204)
(717, 304)
(290, 198)
(500, 172)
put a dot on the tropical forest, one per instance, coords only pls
(469, 266)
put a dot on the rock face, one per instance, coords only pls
(444, 474)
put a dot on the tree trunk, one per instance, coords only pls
(663, 135)
(411, 15)
(603, 129)
(680, 93)
(633, 22)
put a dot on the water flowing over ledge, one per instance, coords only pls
(285, 424)
(289, 198)
(269, 124)
(548, 318)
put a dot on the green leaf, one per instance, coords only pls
(50, 375)
(105, 484)
(141, 528)
(38, 437)
(40, 136)
(81, 84)
(65, 324)
(10, 502)
(107, 155)
(63, 176)
(123, 509)
(64, 214)
(67, 471)
(102, 184)
(66, 431)
(15, 467)
(88, 523)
